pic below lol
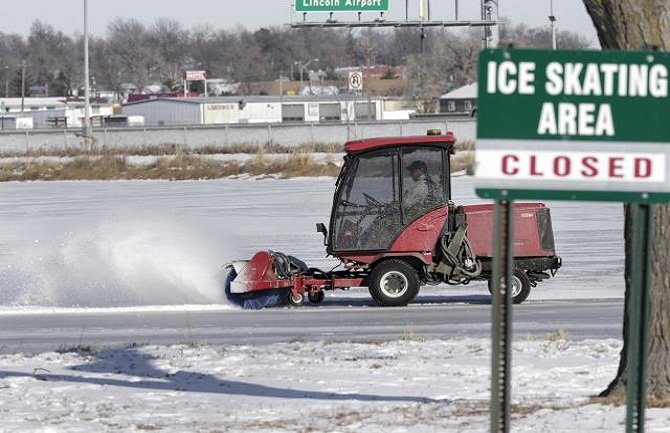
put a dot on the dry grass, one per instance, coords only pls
(465, 145)
(463, 161)
(560, 335)
(174, 149)
(180, 167)
(176, 163)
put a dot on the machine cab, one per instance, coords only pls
(384, 186)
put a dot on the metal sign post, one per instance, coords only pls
(577, 125)
(501, 321)
(638, 316)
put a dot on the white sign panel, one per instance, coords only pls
(195, 75)
(593, 167)
(356, 81)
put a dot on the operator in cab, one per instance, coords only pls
(423, 194)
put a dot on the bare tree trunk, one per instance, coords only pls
(659, 341)
(634, 25)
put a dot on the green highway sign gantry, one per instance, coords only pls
(575, 125)
(341, 5)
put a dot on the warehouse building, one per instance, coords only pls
(261, 109)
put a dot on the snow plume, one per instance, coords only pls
(118, 262)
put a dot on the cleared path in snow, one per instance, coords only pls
(337, 319)
(130, 245)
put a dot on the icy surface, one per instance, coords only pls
(115, 244)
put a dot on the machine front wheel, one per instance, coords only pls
(393, 283)
(520, 286)
(296, 300)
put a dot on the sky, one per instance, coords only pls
(67, 15)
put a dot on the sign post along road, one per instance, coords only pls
(574, 125)
(341, 5)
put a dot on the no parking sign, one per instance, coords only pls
(356, 81)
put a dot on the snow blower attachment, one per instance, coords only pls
(394, 228)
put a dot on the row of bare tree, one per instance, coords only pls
(134, 53)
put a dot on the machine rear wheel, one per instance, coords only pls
(393, 283)
(316, 297)
(520, 286)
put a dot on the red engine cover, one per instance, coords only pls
(527, 235)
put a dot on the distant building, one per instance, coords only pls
(47, 112)
(260, 109)
(14, 105)
(461, 101)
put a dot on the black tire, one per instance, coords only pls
(393, 283)
(520, 286)
(316, 297)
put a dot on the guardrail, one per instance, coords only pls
(195, 136)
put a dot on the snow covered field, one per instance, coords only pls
(409, 385)
(155, 245)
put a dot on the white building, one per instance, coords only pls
(14, 105)
(259, 109)
(51, 112)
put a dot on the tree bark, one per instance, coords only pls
(635, 25)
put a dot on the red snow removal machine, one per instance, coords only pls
(394, 228)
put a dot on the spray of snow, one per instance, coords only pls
(118, 262)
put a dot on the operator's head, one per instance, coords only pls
(416, 169)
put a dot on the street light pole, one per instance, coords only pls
(87, 88)
(23, 86)
(552, 20)
(301, 67)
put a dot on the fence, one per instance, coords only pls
(227, 135)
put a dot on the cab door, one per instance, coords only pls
(366, 213)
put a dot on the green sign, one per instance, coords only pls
(582, 125)
(341, 5)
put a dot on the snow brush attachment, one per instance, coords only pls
(265, 281)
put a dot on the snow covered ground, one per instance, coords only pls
(156, 245)
(408, 385)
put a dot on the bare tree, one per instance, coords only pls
(632, 25)
(522, 36)
(168, 40)
(128, 44)
(451, 61)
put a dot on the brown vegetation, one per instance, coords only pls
(173, 163)
(173, 149)
(180, 167)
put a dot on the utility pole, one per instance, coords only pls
(301, 69)
(424, 15)
(490, 14)
(552, 21)
(23, 86)
(87, 88)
